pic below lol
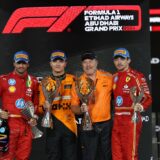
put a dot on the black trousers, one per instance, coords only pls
(60, 142)
(96, 144)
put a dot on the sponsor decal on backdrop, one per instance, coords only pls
(154, 20)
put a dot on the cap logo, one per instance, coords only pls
(21, 56)
(120, 52)
(61, 54)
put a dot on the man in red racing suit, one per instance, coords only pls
(16, 88)
(125, 133)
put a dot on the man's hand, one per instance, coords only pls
(4, 114)
(138, 107)
(47, 105)
(84, 107)
(32, 122)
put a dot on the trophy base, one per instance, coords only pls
(36, 132)
(87, 128)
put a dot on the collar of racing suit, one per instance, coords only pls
(24, 76)
(61, 77)
(124, 72)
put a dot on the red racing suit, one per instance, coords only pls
(15, 90)
(125, 133)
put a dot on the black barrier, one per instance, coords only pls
(125, 24)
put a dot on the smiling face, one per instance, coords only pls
(20, 67)
(121, 63)
(89, 66)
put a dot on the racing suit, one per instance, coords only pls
(15, 90)
(61, 140)
(125, 133)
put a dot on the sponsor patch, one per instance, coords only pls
(115, 79)
(29, 92)
(21, 56)
(12, 82)
(128, 79)
(2, 130)
(20, 103)
(120, 51)
(114, 86)
(119, 101)
(125, 86)
(12, 89)
(143, 79)
(67, 86)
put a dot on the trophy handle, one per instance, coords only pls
(87, 122)
(136, 99)
(28, 112)
(84, 89)
(49, 95)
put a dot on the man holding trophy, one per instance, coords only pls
(55, 101)
(17, 88)
(132, 96)
(91, 97)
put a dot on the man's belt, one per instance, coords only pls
(15, 116)
(124, 108)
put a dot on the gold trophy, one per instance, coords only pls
(136, 99)
(28, 113)
(50, 90)
(84, 89)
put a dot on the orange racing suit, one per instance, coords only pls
(61, 140)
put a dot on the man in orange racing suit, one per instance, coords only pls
(61, 140)
(125, 133)
(16, 88)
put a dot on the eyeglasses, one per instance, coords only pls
(21, 62)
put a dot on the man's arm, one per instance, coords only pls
(75, 101)
(147, 99)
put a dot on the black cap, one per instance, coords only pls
(88, 55)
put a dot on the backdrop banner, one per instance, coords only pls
(75, 27)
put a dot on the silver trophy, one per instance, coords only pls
(136, 99)
(28, 113)
(84, 89)
(50, 90)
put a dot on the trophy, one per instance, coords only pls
(136, 99)
(50, 90)
(28, 113)
(84, 89)
(4, 135)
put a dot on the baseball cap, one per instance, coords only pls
(57, 54)
(88, 55)
(121, 52)
(21, 56)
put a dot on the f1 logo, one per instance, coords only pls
(56, 18)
